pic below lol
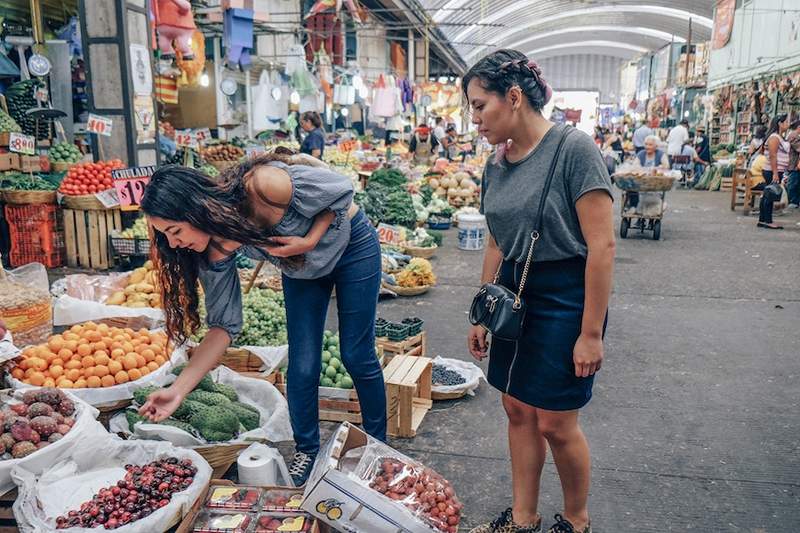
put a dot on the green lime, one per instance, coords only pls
(330, 372)
(346, 383)
(327, 382)
(326, 356)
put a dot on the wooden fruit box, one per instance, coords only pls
(86, 236)
(8, 523)
(415, 346)
(408, 394)
(335, 405)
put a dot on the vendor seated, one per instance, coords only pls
(649, 157)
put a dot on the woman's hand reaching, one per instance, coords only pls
(289, 246)
(161, 404)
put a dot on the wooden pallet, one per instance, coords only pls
(86, 236)
(8, 524)
(416, 346)
(408, 394)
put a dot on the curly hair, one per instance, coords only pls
(501, 70)
(218, 207)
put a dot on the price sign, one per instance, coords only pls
(99, 125)
(254, 151)
(202, 135)
(185, 138)
(20, 143)
(130, 184)
(348, 146)
(389, 234)
(41, 94)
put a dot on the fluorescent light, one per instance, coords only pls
(294, 97)
(576, 44)
(204, 81)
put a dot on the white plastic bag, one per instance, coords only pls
(262, 395)
(470, 372)
(86, 428)
(273, 357)
(68, 311)
(95, 464)
(259, 95)
(105, 395)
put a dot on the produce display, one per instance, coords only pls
(65, 153)
(43, 417)
(264, 319)
(420, 489)
(458, 187)
(280, 522)
(222, 152)
(389, 177)
(20, 97)
(441, 375)
(236, 508)
(89, 178)
(222, 522)
(422, 238)
(282, 500)
(139, 230)
(333, 372)
(26, 311)
(233, 497)
(27, 182)
(418, 273)
(212, 411)
(144, 490)
(141, 289)
(8, 124)
(92, 355)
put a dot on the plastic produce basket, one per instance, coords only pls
(397, 332)
(129, 247)
(439, 221)
(380, 327)
(414, 325)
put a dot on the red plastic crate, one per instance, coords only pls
(36, 235)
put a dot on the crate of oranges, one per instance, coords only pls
(101, 363)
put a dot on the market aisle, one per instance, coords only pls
(694, 421)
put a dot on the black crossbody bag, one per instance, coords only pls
(496, 308)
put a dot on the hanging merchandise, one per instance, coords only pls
(270, 102)
(192, 65)
(260, 94)
(406, 93)
(238, 37)
(297, 71)
(175, 26)
(344, 94)
(325, 72)
(336, 5)
(71, 32)
(383, 101)
(166, 90)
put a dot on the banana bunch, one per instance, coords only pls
(141, 291)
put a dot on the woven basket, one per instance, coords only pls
(133, 322)
(222, 165)
(28, 197)
(644, 183)
(83, 202)
(220, 456)
(241, 360)
(61, 166)
(407, 291)
(108, 410)
(423, 253)
(447, 395)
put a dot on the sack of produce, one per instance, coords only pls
(25, 303)
(225, 408)
(102, 364)
(453, 376)
(130, 486)
(39, 427)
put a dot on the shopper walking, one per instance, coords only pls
(793, 170)
(639, 135)
(314, 143)
(294, 212)
(676, 139)
(776, 150)
(547, 375)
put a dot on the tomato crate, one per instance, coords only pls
(86, 236)
(36, 235)
(408, 394)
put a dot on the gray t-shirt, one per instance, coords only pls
(511, 191)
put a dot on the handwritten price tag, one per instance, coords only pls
(202, 135)
(185, 138)
(20, 143)
(348, 146)
(99, 125)
(130, 184)
(389, 234)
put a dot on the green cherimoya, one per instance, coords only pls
(213, 423)
(133, 417)
(250, 419)
(206, 384)
(227, 390)
(208, 398)
(185, 426)
(140, 395)
(187, 408)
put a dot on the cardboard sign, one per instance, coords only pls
(21, 143)
(109, 198)
(99, 125)
(389, 234)
(129, 184)
(185, 138)
(203, 135)
(348, 146)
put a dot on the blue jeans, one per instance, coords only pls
(793, 187)
(357, 278)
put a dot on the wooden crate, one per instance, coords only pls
(408, 394)
(86, 236)
(416, 346)
(8, 524)
(726, 184)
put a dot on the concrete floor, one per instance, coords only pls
(694, 420)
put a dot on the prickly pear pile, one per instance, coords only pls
(43, 417)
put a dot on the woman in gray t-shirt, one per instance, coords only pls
(298, 214)
(547, 375)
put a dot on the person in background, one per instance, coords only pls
(757, 143)
(314, 143)
(793, 171)
(639, 135)
(439, 133)
(614, 142)
(599, 136)
(776, 150)
(651, 157)
(677, 137)
(696, 164)
(450, 143)
(423, 145)
(701, 144)
(757, 181)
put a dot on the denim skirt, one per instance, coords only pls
(538, 369)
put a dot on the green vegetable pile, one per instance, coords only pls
(242, 261)
(387, 200)
(212, 411)
(8, 124)
(390, 177)
(27, 182)
(20, 98)
(264, 319)
(65, 152)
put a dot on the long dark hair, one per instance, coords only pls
(218, 207)
(312, 117)
(503, 69)
(774, 127)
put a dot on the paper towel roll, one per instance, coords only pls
(256, 468)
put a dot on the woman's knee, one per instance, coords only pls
(519, 413)
(557, 427)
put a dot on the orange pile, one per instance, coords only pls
(92, 355)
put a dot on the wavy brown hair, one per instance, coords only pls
(218, 207)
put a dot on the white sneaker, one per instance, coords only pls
(792, 206)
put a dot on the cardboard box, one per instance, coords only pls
(346, 505)
(9, 161)
(29, 163)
